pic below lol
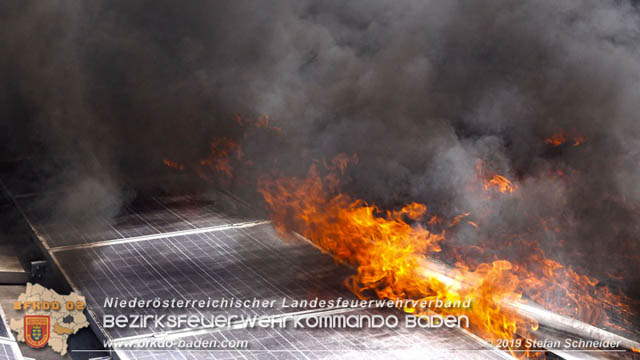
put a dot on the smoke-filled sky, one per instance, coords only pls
(420, 90)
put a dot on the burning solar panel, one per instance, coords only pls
(211, 246)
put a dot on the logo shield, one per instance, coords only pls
(36, 330)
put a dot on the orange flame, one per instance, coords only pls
(494, 181)
(556, 139)
(500, 183)
(561, 138)
(173, 164)
(219, 157)
(390, 250)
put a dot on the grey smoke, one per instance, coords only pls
(418, 89)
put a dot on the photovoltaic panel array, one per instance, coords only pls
(142, 217)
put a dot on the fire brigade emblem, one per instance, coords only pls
(36, 330)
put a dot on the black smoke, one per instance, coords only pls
(420, 90)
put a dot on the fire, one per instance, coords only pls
(389, 249)
(556, 139)
(578, 140)
(500, 183)
(567, 292)
(560, 138)
(393, 252)
(259, 122)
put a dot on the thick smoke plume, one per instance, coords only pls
(420, 90)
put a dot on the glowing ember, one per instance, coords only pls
(556, 139)
(578, 140)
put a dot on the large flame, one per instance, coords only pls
(392, 251)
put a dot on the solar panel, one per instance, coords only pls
(193, 247)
